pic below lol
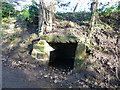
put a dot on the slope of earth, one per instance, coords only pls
(18, 63)
(101, 67)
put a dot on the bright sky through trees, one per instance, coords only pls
(84, 5)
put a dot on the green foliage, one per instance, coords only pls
(58, 16)
(25, 15)
(33, 11)
(0, 10)
(78, 17)
(7, 9)
(30, 13)
(118, 8)
(110, 15)
(106, 11)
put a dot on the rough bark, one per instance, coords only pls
(94, 17)
(45, 18)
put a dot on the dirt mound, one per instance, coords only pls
(101, 68)
(106, 56)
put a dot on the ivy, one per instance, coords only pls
(8, 10)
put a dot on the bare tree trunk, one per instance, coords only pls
(94, 17)
(76, 6)
(45, 18)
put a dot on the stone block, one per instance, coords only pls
(41, 49)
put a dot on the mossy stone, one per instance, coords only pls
(60, 39)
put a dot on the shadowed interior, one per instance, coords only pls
(63, 56)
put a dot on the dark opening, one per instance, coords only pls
(63, 56)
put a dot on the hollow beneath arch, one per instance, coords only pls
(63, 56)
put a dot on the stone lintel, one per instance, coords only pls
(41, 49)
(60, 39)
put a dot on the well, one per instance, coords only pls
(62, 52)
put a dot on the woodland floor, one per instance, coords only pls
(20, 70)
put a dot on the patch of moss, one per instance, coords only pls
(39, 47)
(60, 39)
(78, 65)
(80, 51)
